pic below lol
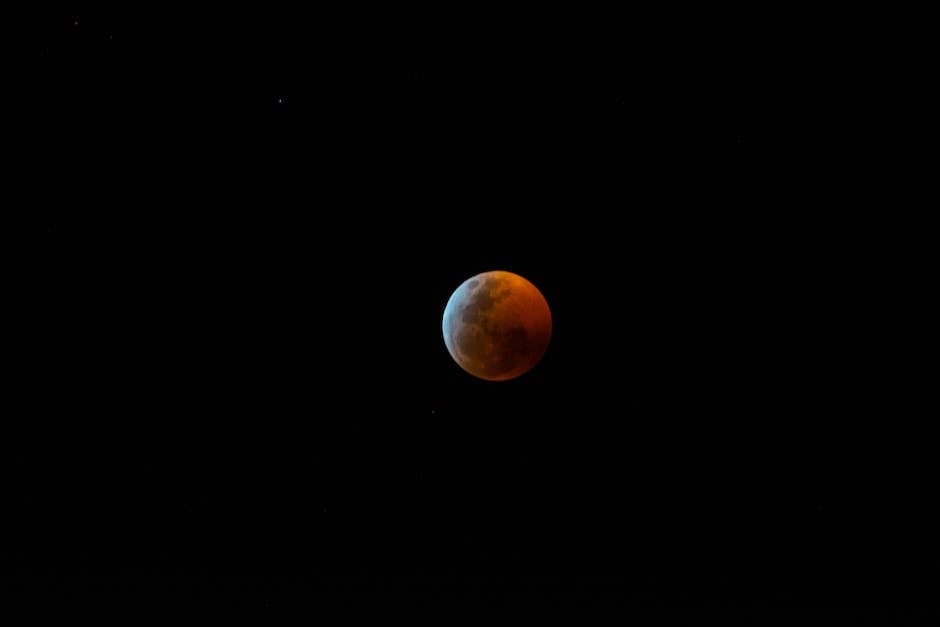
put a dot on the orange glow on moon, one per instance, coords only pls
(497, 325)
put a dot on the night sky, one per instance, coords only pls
(251, 224)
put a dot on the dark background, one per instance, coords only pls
(251, 223)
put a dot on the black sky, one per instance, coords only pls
(251, 225)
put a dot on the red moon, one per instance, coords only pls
(497, 325)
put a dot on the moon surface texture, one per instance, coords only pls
(497, 325)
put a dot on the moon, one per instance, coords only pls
(497, 325)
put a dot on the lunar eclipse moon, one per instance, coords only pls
(497, 325)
